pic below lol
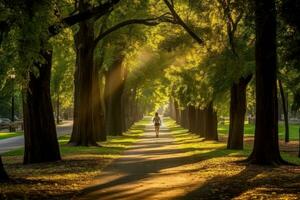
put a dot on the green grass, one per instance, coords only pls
(249, 130)
(63, 179)
(5, 135)
(113, 147)
(211, 149)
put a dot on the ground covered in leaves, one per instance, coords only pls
(217, 173)
(186, 167)
(63, 179)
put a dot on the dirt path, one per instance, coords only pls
(151, 169)
(190, 169)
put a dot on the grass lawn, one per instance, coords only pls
(249, 130)
(5, 135)
(63, 179)
(222, 174)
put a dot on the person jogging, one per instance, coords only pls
(157, 122)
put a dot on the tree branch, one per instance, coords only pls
(179, 21)
(148, 22)
(89, 13)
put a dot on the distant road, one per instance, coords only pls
(18, 142)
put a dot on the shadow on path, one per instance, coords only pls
(155, 168)
(151, 169)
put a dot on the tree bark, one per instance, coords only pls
(114, 86)
(192, 119)
(266, 147)
(237, 114)
(211, 123)
(285, 112)
(182, 118)
(201, 122)
(88, 123)
(177, 112)
(172, 109)
(57, 109)
(41, 143)
(98, 114)
(3, 175)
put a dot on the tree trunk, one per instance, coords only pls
(201, 122)
(285, 112)
(87, 101)
(103, 133)
(57, 109)
(211, 123)
(182, 117)
(41, 143)
(187, 119)
(192, 119)
(177, 112)
(113, 97)
(237, 114)
(126, 110)
(3, 174)
(266, 148)
(172, 109)
(98, 115)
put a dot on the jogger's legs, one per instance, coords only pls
(157, 130)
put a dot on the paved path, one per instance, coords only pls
(154, 168)
(18, 142)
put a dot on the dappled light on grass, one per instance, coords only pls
(61, 180)
(219, 174)
(5, 135)
(250, 128)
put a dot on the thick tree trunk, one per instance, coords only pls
(98, 114)
(211, 123)
(87, 127)
(201, 122)
(57, 109)
(192, 119)
(131, 107)
(197, 121)
(266, 147)
(237, 114)
(103, 134)
(172, 109)
(187, 120)
(3, 174)
(182, 117)
(177, 112)
(114, 86)
(127, 104)
(285, 112)
(124, 102)
(41, 143)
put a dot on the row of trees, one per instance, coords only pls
(227, 69)
(100, 107)
(40, 22)
(112, 88)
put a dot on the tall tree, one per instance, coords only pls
(40, 133)
(266, 147)
(285, 111)
(41, 143)
(114, 86)
(87, 97)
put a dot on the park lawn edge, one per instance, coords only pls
(6, 135)
(66, 178)
(181, 134)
